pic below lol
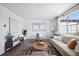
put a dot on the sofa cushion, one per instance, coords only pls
(71, 36)
(57, 38)
(65, 39)
(63, 48)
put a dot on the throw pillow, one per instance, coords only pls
(72, 43)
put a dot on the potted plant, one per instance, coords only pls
(9, 37)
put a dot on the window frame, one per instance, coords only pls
(72, 24)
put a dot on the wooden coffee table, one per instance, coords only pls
(41, 46)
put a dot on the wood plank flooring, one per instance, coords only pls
(22, 49)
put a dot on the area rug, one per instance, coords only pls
(22, 50)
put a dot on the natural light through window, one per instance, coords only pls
(70, 25)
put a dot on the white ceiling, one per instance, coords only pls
(37, 10)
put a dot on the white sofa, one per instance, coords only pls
(16, 41)
(62, 47)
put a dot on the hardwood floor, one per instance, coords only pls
(22, 49)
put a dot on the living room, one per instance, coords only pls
(53, 26)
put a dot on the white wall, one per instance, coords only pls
(15, 25)
(54, 24)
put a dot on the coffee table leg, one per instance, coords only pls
(30, 52)
(48, 51)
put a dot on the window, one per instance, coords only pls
(70, 25)
(63, 27)
(39, 26)
(35, 26)
(42, 26)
